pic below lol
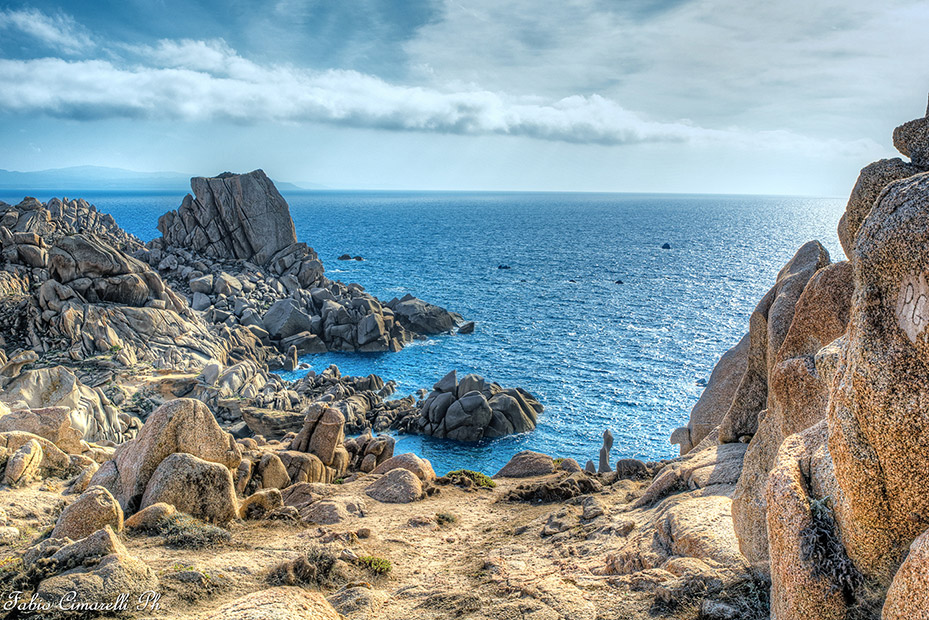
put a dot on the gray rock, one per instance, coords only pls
(232, 216)
(285, 318)
(203, 284)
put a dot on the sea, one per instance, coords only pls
(608, 329)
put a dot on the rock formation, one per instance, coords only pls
(474, 409)
(232, 245)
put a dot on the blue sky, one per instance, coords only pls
(789, 97)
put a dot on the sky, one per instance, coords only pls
(700, 96)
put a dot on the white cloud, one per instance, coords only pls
(58, 31)
(207, 80)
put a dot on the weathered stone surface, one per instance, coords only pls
(871, 182)
(768, 328)
(281, 603)
(89, 413)
(912, 140)
(797, 398)
(192, 485)
(231, 216)
(398, 486)
(877, 420)
(797, 591)
(717, 396)
(525, 464)
(908, 596)
(272, 472)
(409, 461)
(322, 434)
(333, 510)
(149, 517)
(54, 461)
(181, 425)
(260, 504)
(23, 466)
(422, 317)
(94, 509)
(53, 423)
(113, 576)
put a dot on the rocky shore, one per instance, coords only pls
(150, 453)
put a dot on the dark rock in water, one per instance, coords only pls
(358, 258)
(467, 328)
(421, 317)
(472, 409)
(619, 282)
(573, 281)
(701, 382)
(666, 246)
(345, 257)
(503, 266)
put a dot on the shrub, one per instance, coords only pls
(182, 530)
(315, 566)
(822, 549)
(445, 518)
(378, 566)
(459, 476)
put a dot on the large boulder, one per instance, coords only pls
(181, 425)
(877, 420)
(398, 486)
(871, 182)
(101, 273)
(526, 464)
(410, 462)
(912, 139)
(802, 585)
(197, 487)
(422, 317)
(798, 395)
(475, 409)
(231, 216)
(94, 509)
(908, 596)
(285, 318)
(768, 326)
(717, 396)
(323, 434)
(23, 466)
(53, 423)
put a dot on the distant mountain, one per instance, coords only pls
(103, 178)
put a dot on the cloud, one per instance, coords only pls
(58, 31)
(207, 80)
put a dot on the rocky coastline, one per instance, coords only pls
(149, 449)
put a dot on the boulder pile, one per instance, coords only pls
(473, 409)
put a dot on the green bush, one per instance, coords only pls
(378, 566)
(475, 477)
(445, 518)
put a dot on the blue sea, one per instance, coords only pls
(628, 357)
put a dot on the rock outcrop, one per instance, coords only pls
(798, 396)
(232, 216)
(474, 409)
(716, 398)
(877, 419)
(182, 425)
(768, 326)
(233, 246)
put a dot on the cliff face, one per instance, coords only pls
(833, 496)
